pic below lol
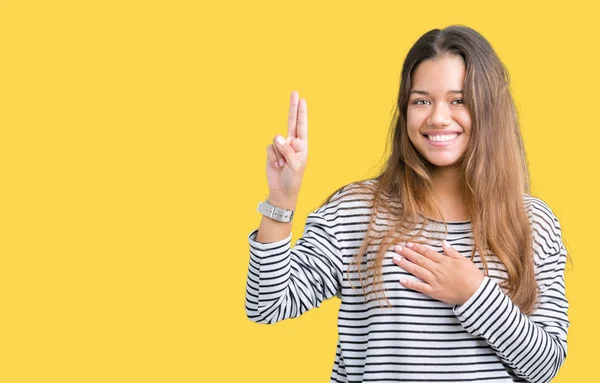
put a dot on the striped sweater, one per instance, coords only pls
(418, 338)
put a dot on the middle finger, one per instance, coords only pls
(415, 257)
(416, 270)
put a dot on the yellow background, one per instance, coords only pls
(132, 158)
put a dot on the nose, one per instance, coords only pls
(440, 115)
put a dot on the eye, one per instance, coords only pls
(420, 102)
(416, 102)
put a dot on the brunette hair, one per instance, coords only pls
(494, 169)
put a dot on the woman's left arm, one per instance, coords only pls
(534, 346)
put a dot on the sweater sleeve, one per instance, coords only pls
(534, 346)
(283, 281)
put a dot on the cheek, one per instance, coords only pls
(413, 123)
(464, 119)
(413, 118)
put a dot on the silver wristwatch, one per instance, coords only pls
(278, 214)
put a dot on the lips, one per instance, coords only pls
(442, 143)
(440, 133)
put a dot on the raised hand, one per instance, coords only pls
(286, 161)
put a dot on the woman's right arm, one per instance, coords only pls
(284, 282)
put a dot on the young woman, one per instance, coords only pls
(446, 268)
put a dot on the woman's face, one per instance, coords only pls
(439, 122)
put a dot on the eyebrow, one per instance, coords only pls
(427, 94)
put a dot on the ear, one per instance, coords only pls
(450, 251)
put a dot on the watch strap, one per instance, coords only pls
(273, 212)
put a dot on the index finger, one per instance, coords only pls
(425, 251)
(293, 114)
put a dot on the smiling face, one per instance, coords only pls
(438, 121)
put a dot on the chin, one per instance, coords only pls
(443, 162)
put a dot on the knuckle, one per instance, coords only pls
(293, 166)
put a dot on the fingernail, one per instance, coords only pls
(281, 161)
(445, 243)
(398, 248)
(409, 244)
(397, 258)
(280, 140)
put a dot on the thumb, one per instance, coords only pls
(450, 251)
(290, 155)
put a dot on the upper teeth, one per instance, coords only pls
(443, 138)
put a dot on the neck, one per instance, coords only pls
(447, 182)
(448, 193)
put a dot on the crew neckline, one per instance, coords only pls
(448, 222)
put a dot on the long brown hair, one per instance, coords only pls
(494, 169)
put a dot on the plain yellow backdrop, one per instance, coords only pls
(132, 158)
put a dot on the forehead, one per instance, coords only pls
(438, 76)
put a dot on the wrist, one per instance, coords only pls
(475, 287)
(282, 202)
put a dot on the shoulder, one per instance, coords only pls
(545, 226)
(351, 197)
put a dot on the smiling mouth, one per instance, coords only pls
(442, 138)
